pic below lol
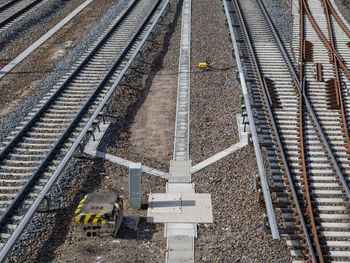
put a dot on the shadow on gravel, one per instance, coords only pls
(64, 216)
(93, 179)
(145, 231)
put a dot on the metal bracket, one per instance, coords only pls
(265, 224)
(45, 204)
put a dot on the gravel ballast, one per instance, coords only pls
(55, 231)
(26, 80)
(22, 91)
(237, 234)
(142, 112)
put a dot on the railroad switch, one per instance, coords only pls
(98, 214)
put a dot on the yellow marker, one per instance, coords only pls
(77, 211)
(77, 219)
(96, 219)
(202, 65)
(87, 217)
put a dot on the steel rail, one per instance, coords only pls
(307, 103)
(7, 5)
(275, 128)
(5, 216)
(260, 162)
(39, 113)
(337, 77)
(340, 22)
(29, 215)
(301, 134)
(325, 41)
(18, 13)
(14, 62)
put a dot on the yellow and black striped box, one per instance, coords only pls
(98, 214)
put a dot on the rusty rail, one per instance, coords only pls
(341, 24)
(337, 77)
(325, 41)
(301, 138)
(335, 57)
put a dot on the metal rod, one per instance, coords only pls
(307, 102)
(259, 160)
(25, 221)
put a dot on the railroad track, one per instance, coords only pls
(13, 10)
(308, 151)
(38, 151)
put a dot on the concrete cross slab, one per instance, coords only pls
(127, 163)
(180, 249)
(218, 156)
(180, 171)
(180, 229)
(193, 208)
(183, 243)
(179, 188)
(180, 256)
(165, 203)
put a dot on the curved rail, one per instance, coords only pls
(25, 221)
(303, 168)
(307, 102)
(335, 58)
(341, 24)
(301, 134)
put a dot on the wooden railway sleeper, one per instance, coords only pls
(308, 51)
(319, 72)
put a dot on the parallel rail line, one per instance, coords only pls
(14, 9)
(309, 156)
(34, 158)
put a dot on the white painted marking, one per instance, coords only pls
(41, 40)
(217, 157)
(121, 161)
(179, 208)
(181, 142)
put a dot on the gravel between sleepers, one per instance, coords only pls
(26, 81)
(55, 231)
(32, 25)
(236, 234)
